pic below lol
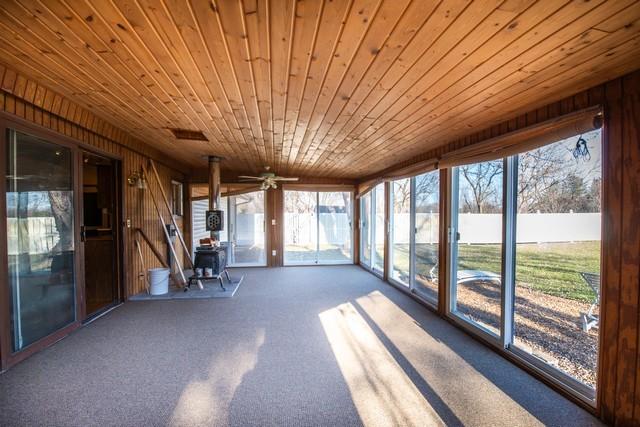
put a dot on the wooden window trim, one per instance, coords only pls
(526, 139)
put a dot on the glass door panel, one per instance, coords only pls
(300, 227)
(40, 238)
(365, 230)
(478, 251)
(334, 227)
(379, 229)
(557, 281)
(400, 237)
(246, 226)
(427, 221)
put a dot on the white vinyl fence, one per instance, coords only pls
(300, 228)
(487, 228)
(249, 227)
(39, 235)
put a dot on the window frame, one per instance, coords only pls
(373, 195)
(504, 342)
(317, 214)
(414, 289)
(177, 209)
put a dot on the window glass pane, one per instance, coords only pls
(335, 233)
(176, 198)
(400, 229)
(365, 230)
(427, 229)
(40, 238)
(479, 249)
(224, 234)
(300, 227)
(247, 229)
(378, 253)
(558, 255)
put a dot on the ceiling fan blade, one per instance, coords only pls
(281, 178)
(251, 177)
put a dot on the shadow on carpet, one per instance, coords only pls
(211, 289)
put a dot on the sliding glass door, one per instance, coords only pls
(318, 227)
(427, 228)
(525, 255)
(247, 229)
(335, 231)
(557, 256)
(379, 229)
(366, 228)
(400, 236)
(476, 262)
(372, 229)
(300, 227)
(40, 202)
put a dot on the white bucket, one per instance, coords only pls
(159, 281)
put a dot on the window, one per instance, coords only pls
(317, 227)
(400, 238)
(176, 198)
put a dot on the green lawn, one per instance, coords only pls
(552, 268)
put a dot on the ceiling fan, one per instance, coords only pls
(269, 179)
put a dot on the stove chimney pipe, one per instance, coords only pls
(214, 189)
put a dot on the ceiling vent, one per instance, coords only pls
(193, 135)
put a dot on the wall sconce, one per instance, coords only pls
(137, 179)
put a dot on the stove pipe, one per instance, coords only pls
(214, 189)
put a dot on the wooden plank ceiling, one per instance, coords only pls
(335, 88)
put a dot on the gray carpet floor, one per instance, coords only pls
(296, 346)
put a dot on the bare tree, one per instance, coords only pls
(484, 184)
(401, 195)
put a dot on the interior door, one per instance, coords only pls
(99, 233)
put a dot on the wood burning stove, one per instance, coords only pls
(211, 259)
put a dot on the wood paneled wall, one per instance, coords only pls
(41, 106)
(619, 366)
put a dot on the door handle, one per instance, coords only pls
(83, 233)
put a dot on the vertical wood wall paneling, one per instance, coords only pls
(611, 235)
(626, 392)
(275, 233)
